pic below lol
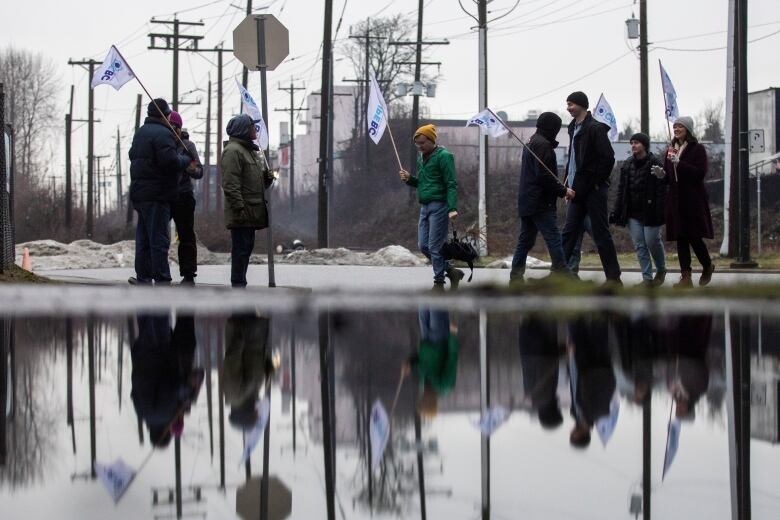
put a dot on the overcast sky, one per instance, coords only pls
(538, 54)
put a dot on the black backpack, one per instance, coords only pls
(460, 249)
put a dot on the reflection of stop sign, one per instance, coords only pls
(248, 499)
(276, 41)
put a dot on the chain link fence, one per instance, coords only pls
(7, 242)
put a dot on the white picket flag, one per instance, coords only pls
(670, 95)
(115, 477)
(377, 112)
(252, 110)
(491, 420)
(605, 426)
(672, 443)
(263, 407)
(113, 71)
(488, 124)
(379, 432)
(604, 113)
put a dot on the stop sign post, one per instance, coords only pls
(261, 43)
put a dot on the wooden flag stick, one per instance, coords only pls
(395, 149)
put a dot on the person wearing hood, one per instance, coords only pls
(155, 164)
(641, 199)
(536, 199)
(688, 219)
(184, 208)
(245, 177)
(589, 167)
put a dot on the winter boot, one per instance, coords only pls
(706, 275)
(455, 276)
(685, 281)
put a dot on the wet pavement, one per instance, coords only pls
(613, 415)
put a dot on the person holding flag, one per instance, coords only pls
(589, 167)
(155, 165)
(536, 198)
(437, 192)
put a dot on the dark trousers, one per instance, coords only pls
(243, 241)
(184, 217)
(546, 224)
(684, 246)
(595, 207)
(152, 240)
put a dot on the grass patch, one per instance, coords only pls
(16, 274)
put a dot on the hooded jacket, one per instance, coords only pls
(155, 163)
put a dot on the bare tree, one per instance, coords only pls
(629, 128)
(710, 122)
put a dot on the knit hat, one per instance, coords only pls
(152, 111)
(240, 127)
(641, 138)
(428, 131)
(578, 98)
(175, 119)
(549, 122)
(687, 122)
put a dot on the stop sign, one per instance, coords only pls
(276, 41)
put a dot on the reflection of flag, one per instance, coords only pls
(488, 124)
(250, 107)
(604, 113)
(113, 71)
(263, 408)
(379, 432)
(377, 112)
(115, 477)
(672, 443)
(605, 426)
(670, 95)
(491, 420)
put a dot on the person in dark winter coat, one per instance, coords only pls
(688, 219)
(245, 177)
(155, 164)
(184, 208)
(591, 158)
(641, 199)
(537, 195)
(540, 359)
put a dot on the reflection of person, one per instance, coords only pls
(246, 365)
(639, 342)
(690, 376)
(165, 383)
(591, 379)
(539, 359)
(436, 360)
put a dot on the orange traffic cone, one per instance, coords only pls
(26, 265)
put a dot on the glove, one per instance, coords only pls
(612, 218)
(657, 171)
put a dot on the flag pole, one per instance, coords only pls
(395, 149)
(526, 147)
(154, 102)
(666, 106)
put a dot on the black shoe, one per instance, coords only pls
(455, 276)
(438, 285)
(188, 281)
(706, 275)
(135, 281)
(660, 278)
(648, 284)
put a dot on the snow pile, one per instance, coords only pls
(530, 263)
(390, 256)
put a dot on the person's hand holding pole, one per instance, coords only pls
(405, 176)
(452, 215)
(569, 194)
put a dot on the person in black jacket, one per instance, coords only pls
(640, 203)
(591, 158)
(539, 189)
(183, 210)
(155, 164)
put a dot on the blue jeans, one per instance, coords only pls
(152, 240)
(243, 242)
(546, 224)
(432, 234)
(434, 325)
(576, 255)
(647, 243)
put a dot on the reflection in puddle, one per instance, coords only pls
(596, 415)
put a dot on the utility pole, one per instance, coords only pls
(68, 151)
(90, 142)
(172, 41)
(292, 110)
(100, 192)
(418, 44)
(644, 98)
(728, 247)
(744, 260)
(118, 172)
(129, 216)
(204, 186)
(325, 102)
(244, 70)
(483, 144)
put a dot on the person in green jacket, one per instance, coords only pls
(245, 177)
(436, 359)
(437, 191)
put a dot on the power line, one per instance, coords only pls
(715, 48)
